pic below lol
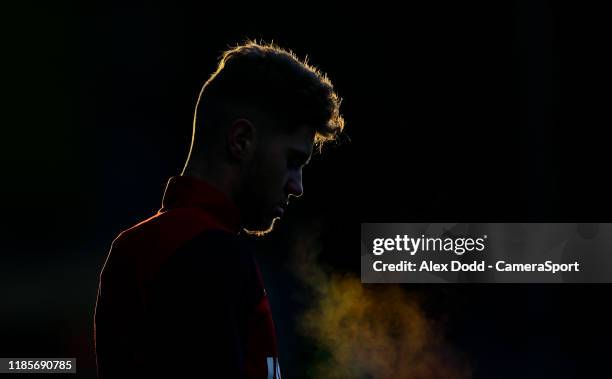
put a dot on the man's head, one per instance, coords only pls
(257, 120)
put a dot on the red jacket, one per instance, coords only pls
(181, 295)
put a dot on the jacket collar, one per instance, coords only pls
(189, 192)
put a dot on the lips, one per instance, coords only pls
(280, 209)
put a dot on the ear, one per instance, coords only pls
(241, 139)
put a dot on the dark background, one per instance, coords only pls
(478, 112)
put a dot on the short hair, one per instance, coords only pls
(273, 80)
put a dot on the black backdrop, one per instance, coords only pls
(479, 112)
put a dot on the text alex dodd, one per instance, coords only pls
(429, 266)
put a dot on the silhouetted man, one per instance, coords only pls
(180, 295)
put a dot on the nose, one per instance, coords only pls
(294, 185)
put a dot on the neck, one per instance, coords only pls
(219, 177)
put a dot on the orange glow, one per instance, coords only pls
(371, 331)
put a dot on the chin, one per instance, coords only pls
(260, 230)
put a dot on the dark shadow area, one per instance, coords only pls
(481, 112)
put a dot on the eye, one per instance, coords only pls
(296, 159)
(293, 163)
